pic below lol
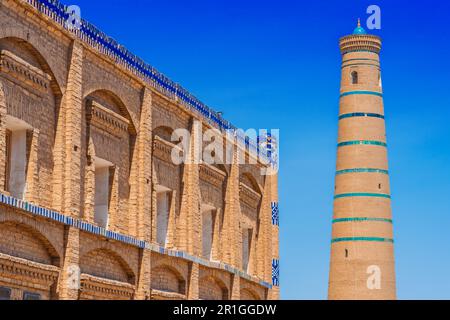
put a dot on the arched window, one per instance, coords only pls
(354, 77)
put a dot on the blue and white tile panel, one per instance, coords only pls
(275, 214)
(276, 272)
(88, 227)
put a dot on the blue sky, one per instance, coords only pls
(276, 64)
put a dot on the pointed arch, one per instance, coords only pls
(248, 179)
(212, 288)
(28, 243)
(115, 103)
(168, 279)
(26, 50)
(249, 294)
(108, 264)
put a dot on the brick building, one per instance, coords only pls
(91, 205)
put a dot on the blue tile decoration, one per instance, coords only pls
(275, 214)
(374, 93)
(362, 142)
(362, 219)
(361, 114)
(90, 228)
(362, 194)
(276, 272)
(91, 35)
(362, 170)
(370, 239)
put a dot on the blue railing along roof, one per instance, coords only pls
(107, 45)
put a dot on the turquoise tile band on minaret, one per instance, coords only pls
(361, 114)
(362, 194)
(362, 92)
(372, 239)
(362, 142)
(362, 219)
(362, 170)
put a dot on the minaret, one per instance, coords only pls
(362, 247)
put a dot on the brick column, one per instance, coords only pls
(72, 107)
(193, 288)
(143, 287)
(145, 148)
(3, 113)
(190, 215)
(262, 267)
(69, 279)
(89, 184)
(143, 193)
(230, 239)
(235, 288)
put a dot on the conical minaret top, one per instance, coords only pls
(360, 41)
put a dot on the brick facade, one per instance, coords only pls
(82, 106)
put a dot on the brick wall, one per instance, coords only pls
(65, 77)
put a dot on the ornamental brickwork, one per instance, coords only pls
(362, 250)
(91, 205)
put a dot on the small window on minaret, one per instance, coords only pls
(354, 77)
(346, 253)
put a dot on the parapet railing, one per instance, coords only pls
(97, 39)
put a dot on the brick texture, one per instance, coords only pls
(81, 106)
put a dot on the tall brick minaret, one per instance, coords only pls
(362, 248)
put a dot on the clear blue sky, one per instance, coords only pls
(276, 64)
